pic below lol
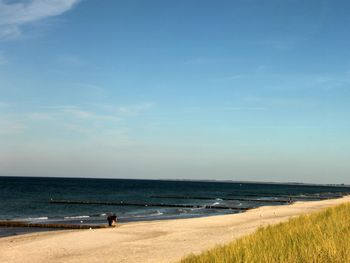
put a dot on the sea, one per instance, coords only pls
(90, 201)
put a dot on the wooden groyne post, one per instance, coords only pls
(8, 223)
(122, 203)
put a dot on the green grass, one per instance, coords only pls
(320, 237)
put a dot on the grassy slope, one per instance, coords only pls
(319, 237)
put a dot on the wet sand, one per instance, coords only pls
(152, 241)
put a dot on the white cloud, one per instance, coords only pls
(196, 61)
(86, 86)
(10, 126)
(135, 109)
(232, 77)
(106, 112)
(40, 116)
(82, 114)
(223, 108)
(71, 60)
(63, 112)
(14, 15)
(74, 120)
(279, 44)
(9, 32)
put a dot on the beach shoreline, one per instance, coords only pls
(150, 241)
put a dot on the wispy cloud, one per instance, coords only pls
(253, 73)
(87, 115)
(90, 89)
(224, 108)
(135, 109)
(10, 126)
(279, 44)
(15, 15)
(197, 61)
(100, 112)
(86, 86)
(40, 116)
(68, 121)
(71, 60)
(231, 77)
(9, 32)
(71, 112)
(281, 102)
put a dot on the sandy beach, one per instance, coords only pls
(154, 241)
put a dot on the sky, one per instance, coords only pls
(191, 89)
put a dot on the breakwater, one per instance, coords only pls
(8, 223)
(122, 203)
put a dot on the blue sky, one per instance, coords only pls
(239, 90)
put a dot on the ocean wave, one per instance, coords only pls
(215, 203)
(98, 215)
(156, 213)
(75, 217)
(197, 208)
(37, 218)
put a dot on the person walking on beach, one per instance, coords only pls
(112, 219)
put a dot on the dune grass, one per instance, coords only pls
(319, 237)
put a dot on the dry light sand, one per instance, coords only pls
(156, 241)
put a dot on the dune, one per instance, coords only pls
(153, 241)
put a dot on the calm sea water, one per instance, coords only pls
(28, 199)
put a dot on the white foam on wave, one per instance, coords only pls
(197, 208)
(156, 213)
(216, 203)
(37, 218)
(75, 217)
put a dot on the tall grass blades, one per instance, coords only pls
(322, 237)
